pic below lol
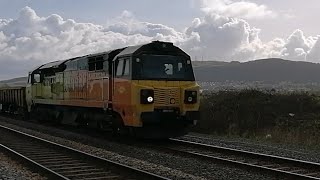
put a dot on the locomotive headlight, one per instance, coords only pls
(150, 99)
(190, 97)
(146, 96)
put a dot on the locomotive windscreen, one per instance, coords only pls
(163, 67)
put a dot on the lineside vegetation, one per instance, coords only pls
(279, 117)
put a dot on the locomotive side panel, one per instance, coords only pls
(95, 86)
(122, 92)
(58, 87)
(122, 102)
(142, 87)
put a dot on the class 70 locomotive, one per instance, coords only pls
(147, 90)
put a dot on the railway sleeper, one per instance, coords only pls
(71, 168)
(82, 170)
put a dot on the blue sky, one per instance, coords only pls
(174, 13)
(33, 32)
(171, 12)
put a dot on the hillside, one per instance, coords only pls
(266, 70)
(269, 70)
(21, 81)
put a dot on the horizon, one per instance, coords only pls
(197, 66)
(36, 32)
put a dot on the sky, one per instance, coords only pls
(33, 32)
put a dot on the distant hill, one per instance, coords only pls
(271, 70)
(268, 70)
(199, 64)
(21, 81)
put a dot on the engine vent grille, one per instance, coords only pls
(167, 97)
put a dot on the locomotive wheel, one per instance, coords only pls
(103, 125)
(26, 116)
(132, 132)
(117, 126)
(58, 117)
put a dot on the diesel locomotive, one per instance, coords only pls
(147, 90)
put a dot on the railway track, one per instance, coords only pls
(60, 162)
(279, 166)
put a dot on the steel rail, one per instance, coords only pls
(57, 161)
(292, 168)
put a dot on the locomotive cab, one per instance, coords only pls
(164, 97)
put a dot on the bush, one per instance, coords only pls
(253, 112)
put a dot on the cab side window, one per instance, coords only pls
(119, 68)
(126, 70)
(123, 67)
(36, 78)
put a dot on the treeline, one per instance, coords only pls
(291, 117)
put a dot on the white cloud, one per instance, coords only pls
(127, 24)
(296, 46)
(239, 9)
(224, 38)
(36, 40)
(221, 36)
(31, 40)
(314, 53)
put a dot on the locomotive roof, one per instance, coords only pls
(130, 50)
(99, 53)
(43, 66)
(154, 46)
(52, 64)
(108, 54)
(158, 46)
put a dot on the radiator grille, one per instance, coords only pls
(162, 97)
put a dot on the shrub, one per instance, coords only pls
(252, 112)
